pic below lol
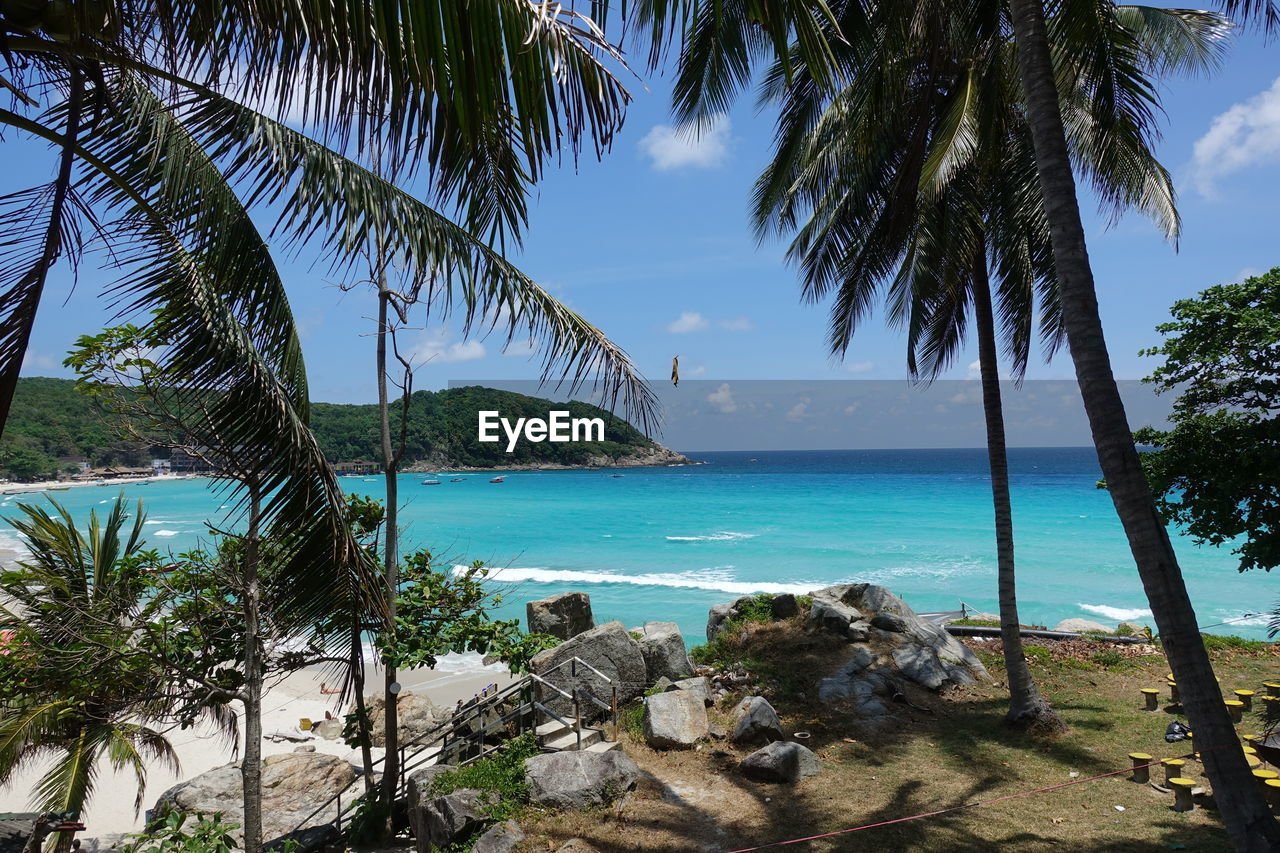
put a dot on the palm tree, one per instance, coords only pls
(920, 175)
(78, 595)
(1245, 813)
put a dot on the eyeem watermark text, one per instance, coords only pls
(558, 426)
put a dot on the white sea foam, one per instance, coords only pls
(718, 578)
(1120, 614)
(721, 536)
(167, 532)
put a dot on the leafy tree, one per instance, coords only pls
(23, 463)
(71, 688)
(919, 178)
(1217, 470)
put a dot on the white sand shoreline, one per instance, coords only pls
(62, 485)
(111, 809)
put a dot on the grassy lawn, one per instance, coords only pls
(951, 751)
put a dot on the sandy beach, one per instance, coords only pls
(111, 810)
(61, 485)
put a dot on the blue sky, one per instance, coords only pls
(653, 246)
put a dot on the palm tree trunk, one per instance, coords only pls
(1244, 812)
(1027, 708)
(251, 766)
(390, 557)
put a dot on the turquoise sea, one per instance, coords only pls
(667, 543)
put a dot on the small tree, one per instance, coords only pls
(1217, 469)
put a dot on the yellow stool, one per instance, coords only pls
(1236, 709)
(1174, 768)
(1272, 789)
(1263, 776)
(1152, 698)
(1253, 761)
(1248, 750)
(1182, 801)
(1174, 696)
(1141, 767)
(1273, 688)
(1245, 696)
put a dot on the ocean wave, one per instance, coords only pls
(722, 536)
(717, 579)
(1120, 614)
(167, 532)
(1237, 617)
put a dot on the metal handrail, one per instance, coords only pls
(476, 708)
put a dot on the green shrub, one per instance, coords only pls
(977, 623)
(758, 609)
(631, 720)
(1110, 660)
(500, 777)
(1221, 643)
(1038, 654)
(208, 835)
(805, 602)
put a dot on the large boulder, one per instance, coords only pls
(293, 786)
(448, 819)
(675, 720)
(418, 716)
(782, 761)
(866, 688)
(565, 615)
(699, 685)
(420, 793)
(609, 649)
(503, 837)
(1080, 626)
(755, 722)
(665, 656)
(576, 779)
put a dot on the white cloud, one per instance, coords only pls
(436, 347)
(519, 348)
(974, 370)
(860, 366)
(737, 324)
(668, 148)
(1247, 134)
(32, 360)
(1248, 272)
(688, 321)
(852, 407)
(798, 412)
(722, 399)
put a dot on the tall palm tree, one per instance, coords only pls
(920, 176)
(1244, 811)
(78, 594)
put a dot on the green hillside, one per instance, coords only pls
(50, 419)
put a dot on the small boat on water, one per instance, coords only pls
(616, 476)
(58, 489)
(430, 482)
(457, 479)
(498, 480)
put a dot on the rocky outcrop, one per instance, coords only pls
(867, 690)
(699, 685)
(675, 720)
(1080, 626)
(293, 786)
(755, 723)
(418, 715)
(503, 837)
(448, 819)
(665, 656)
(565, 615)
(782, 761)
(574, 780)
(609, 649)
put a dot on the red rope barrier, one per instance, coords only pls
(950, 808)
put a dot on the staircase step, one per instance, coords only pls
(603, 746)
(569, 740)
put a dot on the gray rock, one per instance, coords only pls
(859, 631)
(418, 715)
(721, 614)
(313, 839)
(700, 685)
(922, 665)
(755, 723)
(565, 615)
(782, 761)
(1080, 626)
(578, 779)
(500, 838)
(328, 729)
(293, 785)
(784, 606)
(420, 794)
(889, 622)
(608, 648)
(450, 818)
(665, 656)
(675, 720)
(306, 747)
(1130, 629)
(833, 615)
